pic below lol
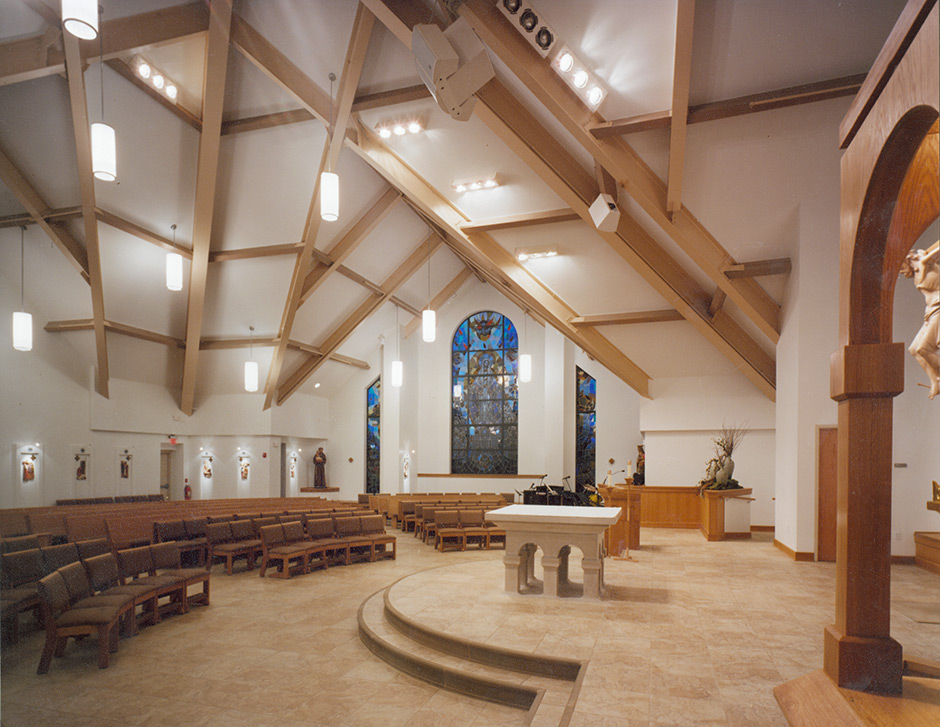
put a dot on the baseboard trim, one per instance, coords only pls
(796, 555)
(762, 528)
(902, 560)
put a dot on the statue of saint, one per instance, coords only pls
(924, 268)
(319, 468)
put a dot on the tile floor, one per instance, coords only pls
(693, 633)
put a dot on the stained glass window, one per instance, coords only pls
(373, 411)
(584, 429)
(485, 399)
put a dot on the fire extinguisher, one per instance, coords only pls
(188, 492)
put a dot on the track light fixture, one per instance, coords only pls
(530, 24)
(579, 78)
(154, 77)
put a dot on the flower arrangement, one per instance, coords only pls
(719, 469)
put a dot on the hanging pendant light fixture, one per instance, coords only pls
(80, 18)
(329, 180)
(103, 145)
(525, 360)
(428, 317)
(174, 267)
(22, 321)
(251, 367)
(397, 367)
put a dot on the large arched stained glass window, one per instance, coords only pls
(585, 429)
(373, 435)
(485, 403)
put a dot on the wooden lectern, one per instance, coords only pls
(623, 535)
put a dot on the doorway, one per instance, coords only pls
(827, 459)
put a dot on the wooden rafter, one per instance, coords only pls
(25, 59)
(86, 183)
(37, 208)
(206, 344)
(131, 228)
(217, 47)
(249, 253)
(718, 300)
(758, 268)
(439, 300)
(274, 64)
(390, 98)
(368, 306)
(522, 220)
(682, 73)
(265, 121)
(51, 215)
(619, 319)
(750, 104)
(347, 243)
(637, 178)
(177, 109)
(423, 197)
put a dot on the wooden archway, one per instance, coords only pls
(889, 196)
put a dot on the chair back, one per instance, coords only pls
(56, 556)
(76, 580)
(21, 567)
(134, 561)
(320, 528)
(170, 530)
(346, 526)
(166, 556)
(272, 535)
(293, 531)
(446, 519)
(219, 532)
(195, 528)
(103, 571)
(91, 548)
(53, 592)
(470, 518)
(242, 530)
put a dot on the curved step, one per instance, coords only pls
(383, 642)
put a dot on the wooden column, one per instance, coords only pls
(859, 651)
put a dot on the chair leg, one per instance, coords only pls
(50, 647)
(104, 642)
(228, 563)
(114, 637)
(60, 643)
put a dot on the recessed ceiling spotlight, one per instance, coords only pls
(476, 184)
(528, 20)
(171, 91)
(158, 80)
(595, 96)
(399, 130)
(385, 132)
(580, 78)
(512, 6)
(316, 385)
(414, 127)
(143, 70)
(460, 187)
(530, 24)
(565, 62)
(532, 253)
(489, 183)
(544, 38)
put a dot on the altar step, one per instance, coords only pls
(544, 687)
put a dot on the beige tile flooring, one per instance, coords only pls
(692, 633)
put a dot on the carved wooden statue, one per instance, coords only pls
(923, 267)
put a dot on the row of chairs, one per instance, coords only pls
(334, 539)
(100, 595)
(443, 527)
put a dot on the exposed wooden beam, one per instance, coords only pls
(619, 319)
(368, 306)
(765, 101)
(405, 306)
(265, 121)
(390, 98)
(347, 243)
(499, 110)
(605, 182)
(757, 268)
(632, 124)
(439, 300)
(44, 11)
(119, 223)
(86, 184)
(88, 324)
(56, 215)
(682, 72)
(523, 220)
(349, 79)
(249, 253)
(220, 344)
(276, 66)
(25, 59)
(718, 300)
(177, 109)
(637, 178)
(36, 206)
(207, 168)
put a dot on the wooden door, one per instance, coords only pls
(165, 473)
(827, 439)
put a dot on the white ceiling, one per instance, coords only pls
(266, 177)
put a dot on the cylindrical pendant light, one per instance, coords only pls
(525, 360)
(22, 321)
(80, 18)
(103, 152)
(398, 373)
(428, 325)
(174, 267)
(329, 180)
(329, 196)
(251, 367)
(525, 368)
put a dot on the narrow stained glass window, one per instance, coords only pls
(373, 411)
(584, 429)
(485, 397)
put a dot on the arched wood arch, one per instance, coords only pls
(889, 196)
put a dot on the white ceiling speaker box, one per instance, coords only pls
(605, 213)
(453, 64)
